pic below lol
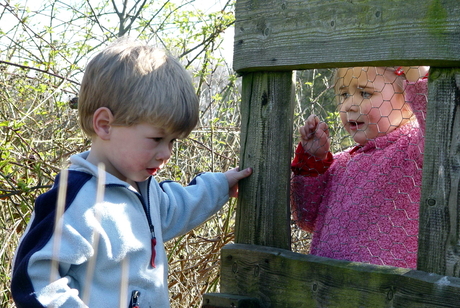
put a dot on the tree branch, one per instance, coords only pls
(39, 70)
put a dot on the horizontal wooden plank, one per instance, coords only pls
(300, 34)
(281, 278)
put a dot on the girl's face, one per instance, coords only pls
(370, 103)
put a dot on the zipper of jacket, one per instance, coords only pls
(153, 239)
(134, 303)
(146, 207)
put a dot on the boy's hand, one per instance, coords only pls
(315, 137)
(233, 176)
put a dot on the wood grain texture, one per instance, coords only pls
(263, 213)
(280, 278)
(439, 237)
(300, 34)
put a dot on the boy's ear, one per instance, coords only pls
(102, 120)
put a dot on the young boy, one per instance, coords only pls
(135, 101)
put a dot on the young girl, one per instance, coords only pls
(362, 204)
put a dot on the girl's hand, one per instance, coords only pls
(233, 176)
(315, 137)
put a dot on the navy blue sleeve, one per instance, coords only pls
(39, 233)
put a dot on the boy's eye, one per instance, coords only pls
(160, 139)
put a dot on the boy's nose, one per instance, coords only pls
(164, 153)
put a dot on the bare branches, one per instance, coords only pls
(39, 70)
(132, 15)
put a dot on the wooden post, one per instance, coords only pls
(263, 213)
(439, 245)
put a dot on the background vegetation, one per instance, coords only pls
(44, 46)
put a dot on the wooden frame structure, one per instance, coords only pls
(275, 37)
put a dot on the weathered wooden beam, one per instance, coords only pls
(439, 236)
(300, 34)
(267, 108)
(283, 279)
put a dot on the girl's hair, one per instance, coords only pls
(388, 71)
(138, 83)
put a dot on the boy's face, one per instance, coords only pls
(137, 152)
(369, 106)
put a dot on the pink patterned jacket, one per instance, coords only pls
(363, 204)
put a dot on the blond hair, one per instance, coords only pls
(388, 71)
(138, 83)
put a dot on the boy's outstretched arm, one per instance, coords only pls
(233, 176)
